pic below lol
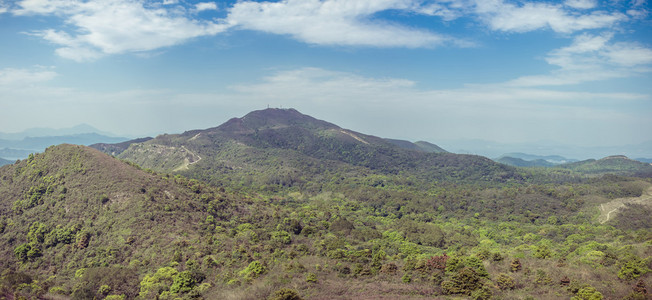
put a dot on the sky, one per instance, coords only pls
(575, 72)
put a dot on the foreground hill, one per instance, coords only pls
(284, 147)
(74, 208)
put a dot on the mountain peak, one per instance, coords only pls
(273, 118)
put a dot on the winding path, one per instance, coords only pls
(613, 206)
(187, 162)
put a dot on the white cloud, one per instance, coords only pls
(115, 27)
(530, 16)
(333, 22)
(592, 58)
(10, 77)
(205, 6)
(581, 4)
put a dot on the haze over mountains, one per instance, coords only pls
(546, 148)
(18, 145)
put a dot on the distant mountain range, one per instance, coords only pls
(19, 145)
(41, 132)
(544, 148)
(615, 164)
(551, 159)
(645, 160)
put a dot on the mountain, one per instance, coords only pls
(5, 162)
(41, 132)
(18, 148)
(552, 159)
(519, 162)
(286, 147)
(616, 164)
(42, 142)
(644, 160)
(14, 154)
(497, 149)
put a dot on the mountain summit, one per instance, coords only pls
(288, 144)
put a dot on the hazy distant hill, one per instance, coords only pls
(617, 164)
(40, 132)
(518, 162)
(552, 159)
(5, 162)
(645, 160)
(18, 149)
(286, 147)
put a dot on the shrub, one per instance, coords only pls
(152, 285)
(311, 278)
(280, 238)
(407, 278)
(587, 293)
(253, 270)
(515, 266)
(285, 294)
(633, 269)
(483, 293)
(465, 281)
(505, 282)
(183, 282)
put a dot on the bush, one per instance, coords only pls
(633, 269)
(587, 293)
(505, 282)
(253, 270)
(465, 281)
(285, 294)
(515, 266)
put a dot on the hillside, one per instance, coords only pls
(617, 164)
(518, 162)
(285, 147)
(78, 223)
(74, 208)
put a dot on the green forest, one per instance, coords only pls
(285, 207)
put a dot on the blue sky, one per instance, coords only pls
(574, 72)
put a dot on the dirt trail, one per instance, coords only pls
(187, 162)
(610, 209)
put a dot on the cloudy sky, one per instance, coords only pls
(574, 72)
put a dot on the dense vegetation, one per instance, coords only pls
(244, 219)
